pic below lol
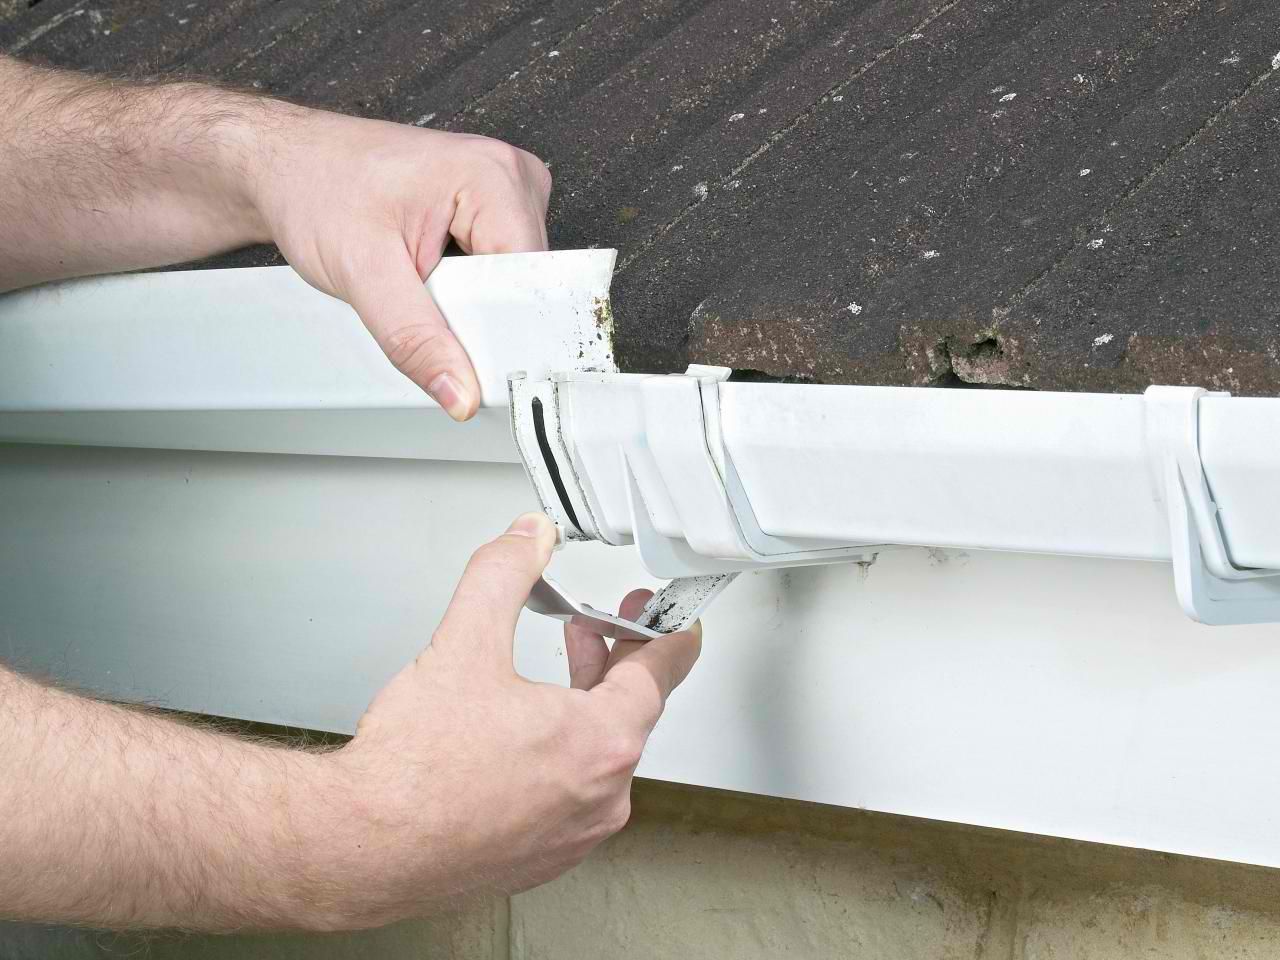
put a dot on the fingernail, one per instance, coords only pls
(447, 392)
(529, 525)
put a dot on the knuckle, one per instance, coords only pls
(517, 164)
(506, 157)
(622, 752)
(642, 690)
(560, 713)
(416, 349)
(495, 557)
(583, 794)
(617, 816)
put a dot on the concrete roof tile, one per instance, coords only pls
(1025, 193)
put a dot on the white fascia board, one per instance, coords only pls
(1057, 695)
(257, 360)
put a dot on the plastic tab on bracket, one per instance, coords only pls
(1210, 587)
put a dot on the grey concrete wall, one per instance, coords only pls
(703, 874)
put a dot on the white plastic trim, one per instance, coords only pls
(255, 360)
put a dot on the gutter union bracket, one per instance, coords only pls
(685, 510)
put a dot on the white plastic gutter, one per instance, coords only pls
(732, 476)
(257, 360)
(708, 476)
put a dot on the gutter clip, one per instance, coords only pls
(1210, 587)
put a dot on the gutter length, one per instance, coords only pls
(1240, 446)
(708, 476)
(728, 476)
(1002, 470)
(1062, 473)
(256, 360)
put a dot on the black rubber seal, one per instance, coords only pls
(549, 461)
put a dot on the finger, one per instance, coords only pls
(507, 227)
(630, 609)
(507, 211)
(588, 653)
(394, 304)
(632, 604)
(636, 687)
(481, 620)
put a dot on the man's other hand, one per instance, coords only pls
(363, 210)
(135, 175)
(463, 777)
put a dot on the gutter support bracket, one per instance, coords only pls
(1210, 587)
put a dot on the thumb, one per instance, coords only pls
(394, 304)
(481, 620)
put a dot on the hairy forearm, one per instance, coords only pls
(120, 818)
(102, 175)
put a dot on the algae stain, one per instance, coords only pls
(602, 311)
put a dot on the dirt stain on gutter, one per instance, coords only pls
(602, 330)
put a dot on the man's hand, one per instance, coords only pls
(363, 210)
(464, 778)
(100, 176)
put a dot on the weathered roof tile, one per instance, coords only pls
(1027, 193)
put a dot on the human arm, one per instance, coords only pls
(103, 175)
(462, 779)
(121, 818)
